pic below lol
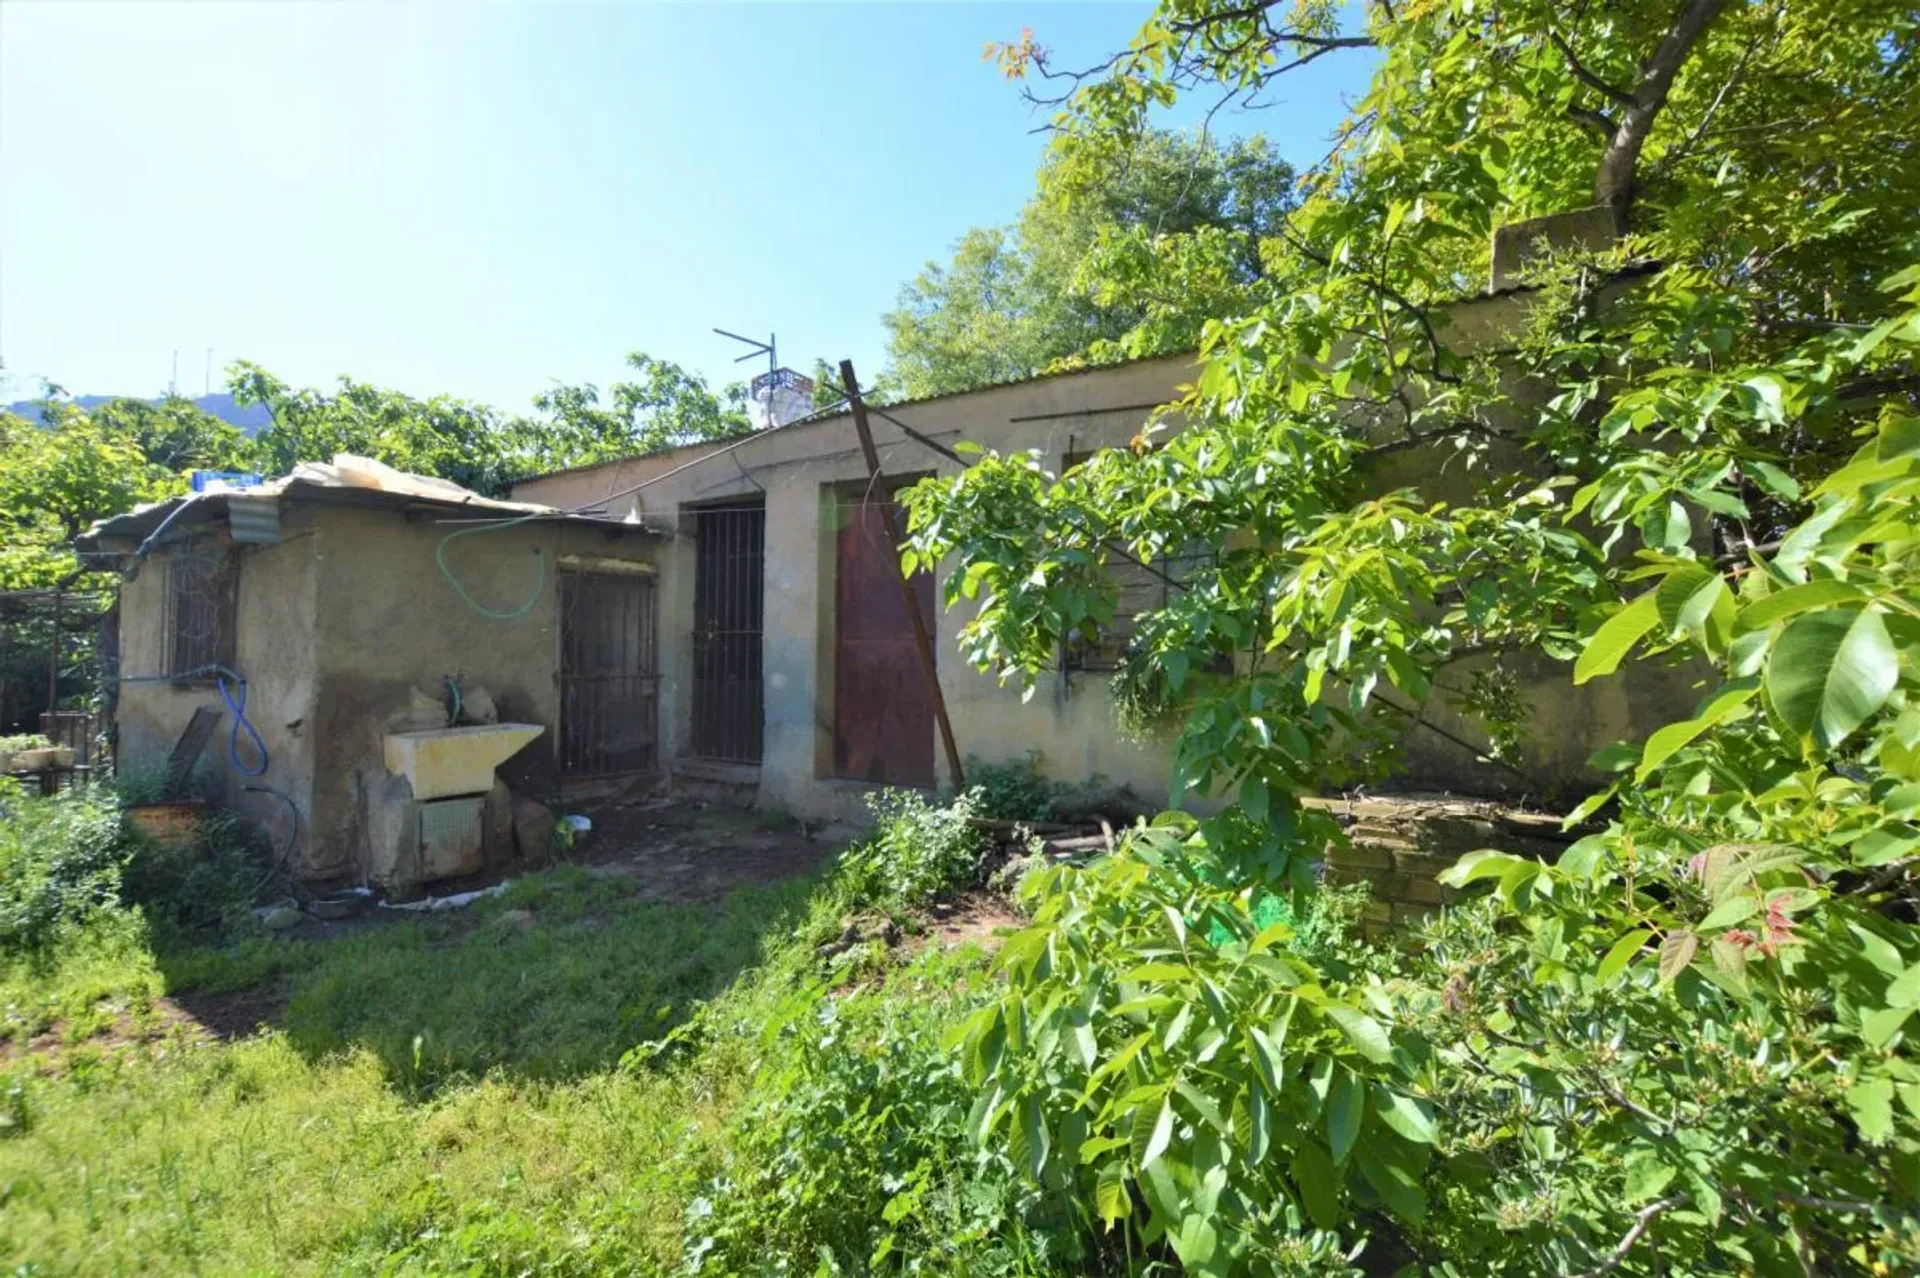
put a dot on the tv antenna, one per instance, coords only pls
(767, 348)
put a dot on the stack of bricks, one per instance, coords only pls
(1399, 846)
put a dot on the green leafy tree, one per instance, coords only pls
(1124, 256)
(1685, 1047)
(57, 477)
(662, 406)
(452, 438)
(178, 435)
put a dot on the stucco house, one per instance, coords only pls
(787, 668)
(325, 613)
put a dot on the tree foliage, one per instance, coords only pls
(1125, 257)
(664, 406)
(1685, 1047)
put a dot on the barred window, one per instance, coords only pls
(201, 605)
(1142, 589)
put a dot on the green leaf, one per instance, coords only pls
(1346, 1107)
(1773, 479)
(1394, 1183)
(1676, 951)
(1887, 842)
(1904, 991)
(1729, 912)
(1794, 600)
(1668, 741)
(1829, 671)
(1871, 1103)
(1485, 863)
(1621, 954)
(1110, 1197)
(1365, 1033)
(1412, 1118)
(1610, 643)
(1151, 1133)
(1879, 1026)
(1268, 1061)
(1033, 1125)
(1685, 597)
(1318, 1182)
(1646, 1176)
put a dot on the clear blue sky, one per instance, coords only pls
(480, 199)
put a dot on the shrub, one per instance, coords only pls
(917, 852)
(1011, 791)
(63, 860)
(60, 861)
(853, 1154)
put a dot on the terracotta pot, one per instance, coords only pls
(168, 824)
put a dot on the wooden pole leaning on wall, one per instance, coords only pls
(922, 641)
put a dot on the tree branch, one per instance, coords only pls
(1619, 163)
(1641, 1223)
(1615, 95)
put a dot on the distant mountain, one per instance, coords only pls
(251, 419)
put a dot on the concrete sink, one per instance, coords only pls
(448, 761)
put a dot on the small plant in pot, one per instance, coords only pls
(31, 752)
(158, 802)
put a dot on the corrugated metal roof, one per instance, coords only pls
(204, 508)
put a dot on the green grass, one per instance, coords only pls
(444, 1093)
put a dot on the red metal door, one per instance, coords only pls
(882, 710)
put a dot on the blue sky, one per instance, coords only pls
(478, 200)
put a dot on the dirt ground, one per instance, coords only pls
(678, 852)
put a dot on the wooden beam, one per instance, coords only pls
(922, 641)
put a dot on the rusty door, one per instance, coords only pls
(609, 683)
(882, 709)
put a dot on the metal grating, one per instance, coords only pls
(201, 603)
(728, 612)
(609, 679)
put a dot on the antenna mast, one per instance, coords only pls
(767, 348)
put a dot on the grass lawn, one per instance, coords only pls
(435, 1095)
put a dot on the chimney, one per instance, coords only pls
(1520, 246)
(779, 397)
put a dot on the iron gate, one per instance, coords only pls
(728, 612)
(609, 681)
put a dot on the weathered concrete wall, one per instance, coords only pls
(275, 625)
(389, 622)
(1069, 719)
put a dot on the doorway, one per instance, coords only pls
(882, 707)
(730, 548)
(609, 679)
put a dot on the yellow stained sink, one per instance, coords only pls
(448, 761)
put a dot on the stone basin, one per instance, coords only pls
(448, 761)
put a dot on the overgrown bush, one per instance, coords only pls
(202, 888)
(853, 1153)
(918, 851)
(61, 860)
(64, 859)
(1011, 791)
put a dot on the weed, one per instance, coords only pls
(1011, 791)
(917, 852)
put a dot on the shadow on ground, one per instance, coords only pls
(558, 976)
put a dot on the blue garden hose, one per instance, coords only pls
(240, 721)
(221, 674)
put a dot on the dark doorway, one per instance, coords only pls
(609, 684)
(882, 709)
(728, 606)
